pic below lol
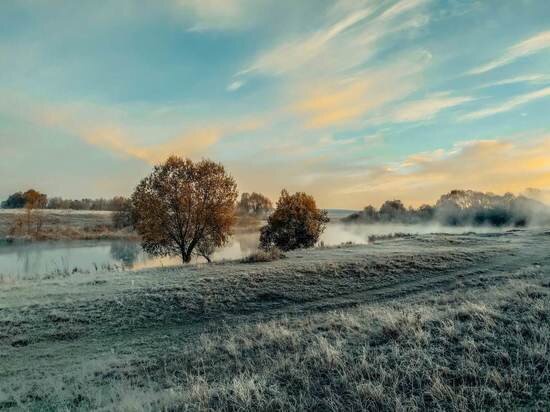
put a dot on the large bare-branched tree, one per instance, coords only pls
(185, 208)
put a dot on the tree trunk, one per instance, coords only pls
(185, 257)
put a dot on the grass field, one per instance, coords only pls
(442, 322)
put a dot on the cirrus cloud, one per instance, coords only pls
(507, 105)
(532, 45)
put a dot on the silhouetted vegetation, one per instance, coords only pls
(460, 208)
(18, 200)
(295, 223)
(185, 208)
(15, 201)
(122, 215)
(114, 204)
(32, 198)
(254, 204)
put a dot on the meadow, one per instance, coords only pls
(430, 321)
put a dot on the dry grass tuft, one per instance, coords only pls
(259, 256)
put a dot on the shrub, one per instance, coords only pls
(296, 223)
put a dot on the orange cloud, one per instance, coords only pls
(495, 165)
(188, 144)
(338, 102)
(119, 141)
(498, 166)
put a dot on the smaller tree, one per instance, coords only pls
(295, 223)
(34, 200)
(392, 210)
(254, 204)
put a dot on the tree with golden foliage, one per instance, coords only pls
(33, 220)
(296, 223)
(185, 208)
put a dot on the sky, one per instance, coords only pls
(352, 101)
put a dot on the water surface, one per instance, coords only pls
(39, 259)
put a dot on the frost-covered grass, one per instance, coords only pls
(473, 352)
(427, 322)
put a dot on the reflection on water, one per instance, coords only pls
(29, 260)
(45, 258)
(127, 253)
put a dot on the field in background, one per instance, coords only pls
(89, 225)
(67, 224)
(426, 321)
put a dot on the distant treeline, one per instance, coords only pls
(252, 204)
(39, 200)
(114, 204)
(460, 208)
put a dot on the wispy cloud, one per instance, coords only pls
(331, 103)
(294, 54)
(507, 105)
(235, 85)
(348, 39)
(326, 76)
(530, 78)
(427, 108)
(217, 14)
(532, 45)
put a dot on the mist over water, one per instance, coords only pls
(338, 233)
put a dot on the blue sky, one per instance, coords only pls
(354, 101)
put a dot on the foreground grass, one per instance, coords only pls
(486, 348)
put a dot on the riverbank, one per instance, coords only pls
(454, 322)
(66, 225)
